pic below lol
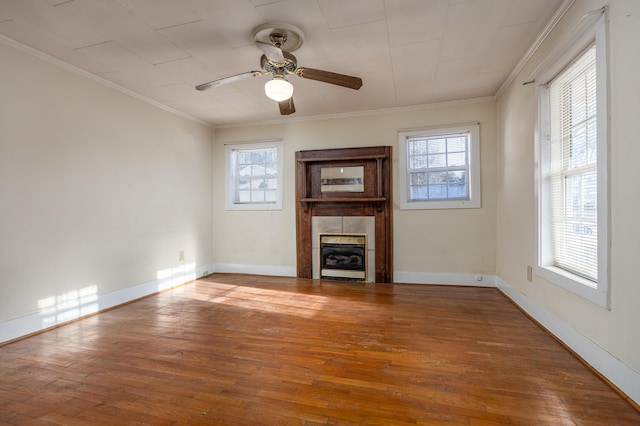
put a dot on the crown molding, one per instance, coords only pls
(557, 16)
(79, 71)
(364, 113)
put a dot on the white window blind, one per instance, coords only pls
(572, 172)
(571, 152)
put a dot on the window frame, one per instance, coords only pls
(231, 187)
(596, 33)
(473, 167)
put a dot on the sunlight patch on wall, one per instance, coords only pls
(172, 277)
(68, 306)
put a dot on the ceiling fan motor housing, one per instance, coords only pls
(290, 65)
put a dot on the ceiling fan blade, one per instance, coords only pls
(273, 53)
(330, 77)
(287, 107)
(230, 79)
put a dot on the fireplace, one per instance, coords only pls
(345, 185)
(343, 257)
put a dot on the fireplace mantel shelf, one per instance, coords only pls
(343, 200)
(340, 157)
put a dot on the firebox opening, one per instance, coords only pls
(343, 257)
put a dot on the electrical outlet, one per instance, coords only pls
(529, 273)
(205, 273)
(181, 255)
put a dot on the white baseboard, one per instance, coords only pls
(232, 268)
(87, 303)
(474, 280)
(622, 376)
(398, 277)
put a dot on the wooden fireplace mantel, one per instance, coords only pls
(374, 200)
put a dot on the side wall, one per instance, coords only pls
(99, 193)
(428, 244)
(607, 339)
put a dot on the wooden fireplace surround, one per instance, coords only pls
(374, 200)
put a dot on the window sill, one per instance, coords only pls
(440, 205)
(253, 207)
(575, 284)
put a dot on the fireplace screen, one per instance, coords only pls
(343, 257)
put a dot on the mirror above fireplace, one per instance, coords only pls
(342, 179)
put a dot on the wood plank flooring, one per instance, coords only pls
(250, 350)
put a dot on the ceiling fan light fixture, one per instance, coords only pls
(278, 89)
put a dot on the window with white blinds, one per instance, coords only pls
(573, 170)
(572, 145)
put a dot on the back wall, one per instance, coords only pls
(426, 242)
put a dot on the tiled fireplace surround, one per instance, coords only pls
(344, 225)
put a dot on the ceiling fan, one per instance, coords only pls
(277, 41)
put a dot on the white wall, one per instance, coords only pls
(98, 192)
(425, 241)
(612, 333)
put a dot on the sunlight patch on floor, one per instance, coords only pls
(261, 299)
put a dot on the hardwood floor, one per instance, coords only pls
(249, 350)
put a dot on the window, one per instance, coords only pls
(440, 168)
(254, 176)
(572, 150)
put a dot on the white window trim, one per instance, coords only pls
(229, 180)
(596, 293)
(474, 200)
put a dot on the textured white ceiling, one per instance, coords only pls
(407, 52)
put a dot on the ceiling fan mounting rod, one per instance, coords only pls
(281, 35)
(278, 39)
